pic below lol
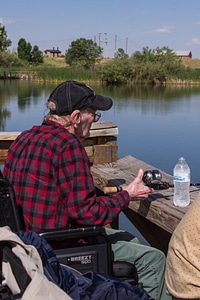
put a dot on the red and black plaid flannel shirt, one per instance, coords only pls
(50, 172)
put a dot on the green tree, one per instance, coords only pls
(83, 53)
(121, 53)
(149, 66)
(9, 60)
(37, 56)
(147, 55)
(157, 65)
(24, 50)
(117, 71)
(29, 54)
(4, 41)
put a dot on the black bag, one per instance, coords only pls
(22, 274)
(22, 277)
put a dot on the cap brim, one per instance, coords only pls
(101, 103)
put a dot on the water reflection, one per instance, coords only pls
(156, 99)
(156, 124)
(20, 96)
(146, 92)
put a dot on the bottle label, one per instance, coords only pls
(179, 178)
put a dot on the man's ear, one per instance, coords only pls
(75, 117)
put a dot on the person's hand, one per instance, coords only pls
(137, 190)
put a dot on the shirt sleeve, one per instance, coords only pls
(77, 189)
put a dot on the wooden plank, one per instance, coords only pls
(105, 140)
(158, 208)
(10, 136)
(3, 152)
(103, 125)
(90, 153)
(100, 140)
(105, 153)
(102, 133)
(103, 128)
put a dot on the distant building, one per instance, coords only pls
(183, 54)
(52, 52)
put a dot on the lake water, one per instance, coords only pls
(156, 124)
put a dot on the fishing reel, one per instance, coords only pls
(153, 179)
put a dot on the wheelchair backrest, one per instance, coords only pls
(9, 210)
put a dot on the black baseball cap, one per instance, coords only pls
(71, 95)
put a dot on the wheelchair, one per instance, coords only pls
(95, 254)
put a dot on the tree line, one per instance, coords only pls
(153, 66)
(26, 54)
(81, 53)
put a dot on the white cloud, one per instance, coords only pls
(196, 41)
(165, 29)
(4, 22)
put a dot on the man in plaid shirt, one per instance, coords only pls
(50, 172)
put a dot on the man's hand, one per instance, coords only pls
(137, 190)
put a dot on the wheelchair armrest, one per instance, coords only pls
(73, 232)
(126, 271)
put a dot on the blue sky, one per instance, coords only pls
(113, 24)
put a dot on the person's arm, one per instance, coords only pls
(78, 190)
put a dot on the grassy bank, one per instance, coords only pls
(193, 63)
(55, 69)
(59, 62)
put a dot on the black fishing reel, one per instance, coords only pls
(153, 179)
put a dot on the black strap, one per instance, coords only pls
(19, 272)
(6, 294)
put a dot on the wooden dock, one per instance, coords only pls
(156, 217)
(101, 146)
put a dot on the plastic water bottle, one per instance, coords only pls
(181, 180)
